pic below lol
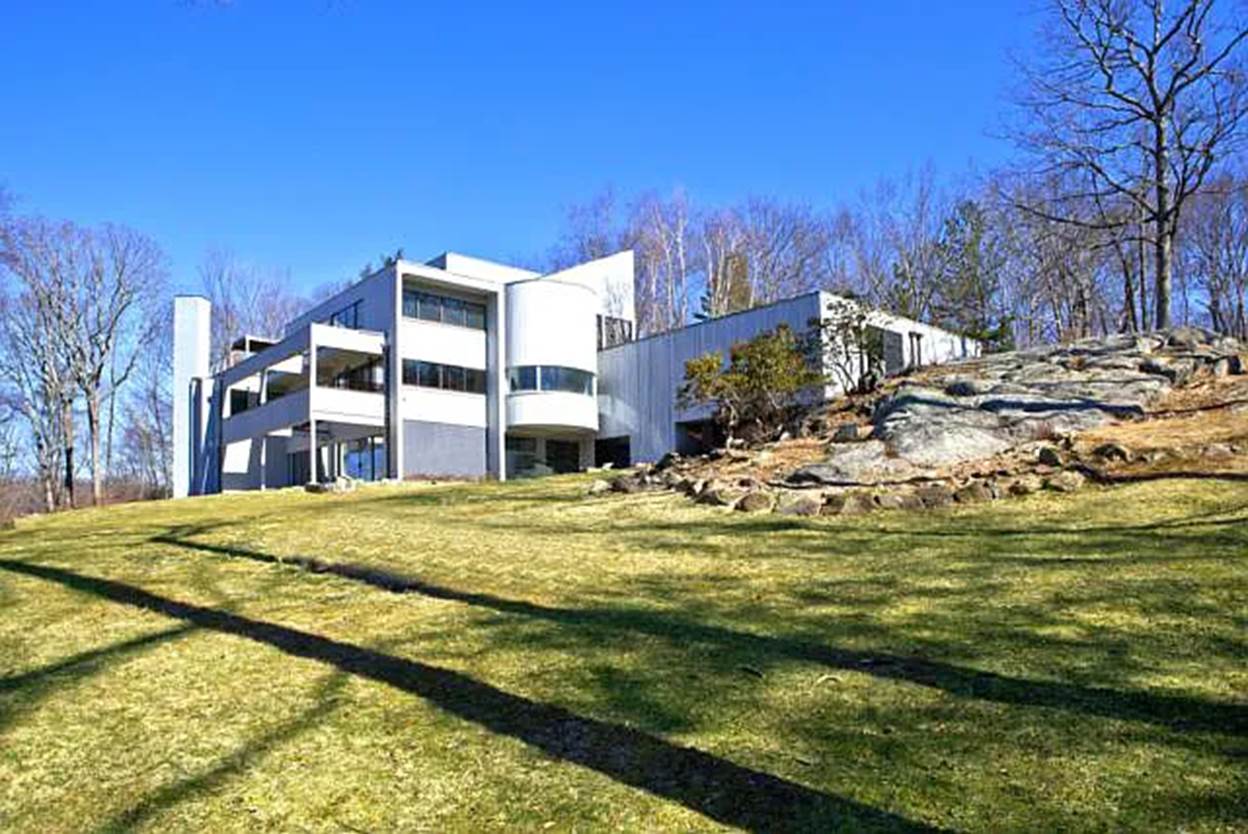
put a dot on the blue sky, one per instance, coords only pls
(314, 135)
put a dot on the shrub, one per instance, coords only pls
(759, 390)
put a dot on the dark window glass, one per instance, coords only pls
(428, 307)
(445, 377)
(429, 374)
(453, 311)
(431, 307)
(569, 380)
(452, 378)
(523, 379)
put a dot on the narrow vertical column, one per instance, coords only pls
(264, 438)
(394, 382)
(312, 453)
(496, 386)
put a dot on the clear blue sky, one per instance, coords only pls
(317, 134)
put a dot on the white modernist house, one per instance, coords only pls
(460, 367)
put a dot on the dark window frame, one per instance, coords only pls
(439, 377)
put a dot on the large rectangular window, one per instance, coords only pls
(550, 378)
(427, 306)
(444, 377)
(523, 379)
(348, 316)
(569, 380)
(613, 331)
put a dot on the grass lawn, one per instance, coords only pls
(517, 657)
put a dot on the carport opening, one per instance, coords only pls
(616, 451)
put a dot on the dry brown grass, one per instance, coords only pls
(515, 657)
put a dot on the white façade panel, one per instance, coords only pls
(552, 323)
(432, 405)
(447, 344)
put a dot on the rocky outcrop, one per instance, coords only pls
(975, 410)
(959, 435)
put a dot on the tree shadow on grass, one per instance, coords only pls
(717, 788)
(30, 687)
(232, 765)
(1173, 711)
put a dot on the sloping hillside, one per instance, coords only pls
(515, 657)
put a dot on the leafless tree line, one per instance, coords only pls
(986, 256)
(79, 311)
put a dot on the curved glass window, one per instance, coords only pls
(551, 378)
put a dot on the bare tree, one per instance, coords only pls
(245, 299)
(1144, 100)
(660, 233)
(591, 231)
(111, 295)
(38, 378)
(1215, 254)
(725, 264)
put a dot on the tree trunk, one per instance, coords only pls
(1163, 240)
(67, 439)
(93, 429)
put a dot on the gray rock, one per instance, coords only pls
(757, 501)
(1112, 451)
(868, 462)
(719, 496)
(803, 503)
(1025, 485)
(846, 433)
(1049, 456)
(1218, 451)
(974, 493)
(847, 503)
(1066, 481)
(934, 495)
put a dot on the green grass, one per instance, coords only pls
(516, 657)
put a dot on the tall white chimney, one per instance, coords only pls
(192, 317)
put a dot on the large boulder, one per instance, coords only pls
(799, 502)
(756, 501)
(868, 462)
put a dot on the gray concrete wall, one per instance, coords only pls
(443, 449)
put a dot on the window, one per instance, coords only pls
(453, 312)
(569, 380)
(521, 456)
(348, 316)
(445, 377)
(523, 379)
(613, 331)
(367, 377)
(550, 378)
(452, 378)
(427, 306)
